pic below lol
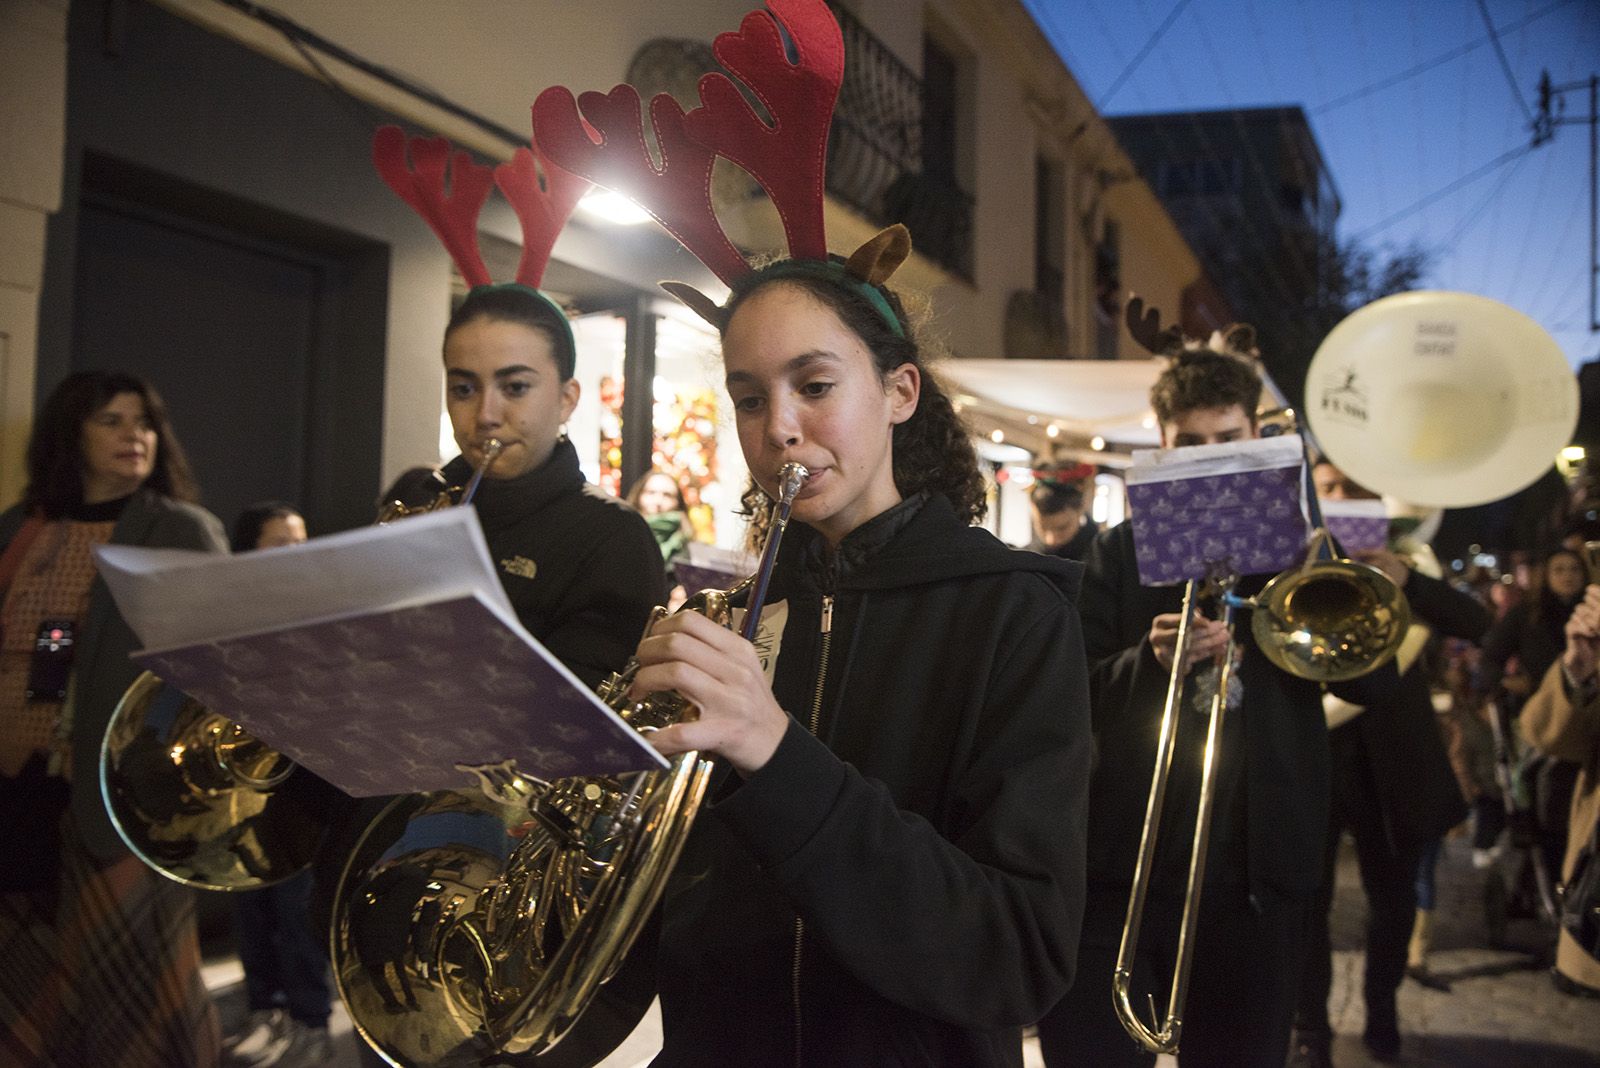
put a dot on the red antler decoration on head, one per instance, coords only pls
(786, 157)
(453, 215)
(542, 210)
(678, 193)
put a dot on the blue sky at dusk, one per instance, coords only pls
(1518, 232)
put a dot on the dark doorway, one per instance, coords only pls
(264, 334)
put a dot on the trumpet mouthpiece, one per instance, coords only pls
(790, 478)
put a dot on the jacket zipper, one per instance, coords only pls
(814, 724)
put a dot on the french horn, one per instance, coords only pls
(492, 927)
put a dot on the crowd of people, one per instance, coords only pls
(922, 831)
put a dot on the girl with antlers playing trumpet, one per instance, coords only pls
(890, 869)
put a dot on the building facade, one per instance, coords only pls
(189, 195)
(1252, 194)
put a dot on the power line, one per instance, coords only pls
(1505, 64)
(1465, 179)
(1535, 215)
(1428, 64)
(1149, 46)
(1472, 216)
(1377, 161)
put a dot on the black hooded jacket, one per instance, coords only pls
(902, 883)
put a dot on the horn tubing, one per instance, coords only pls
(491, 452)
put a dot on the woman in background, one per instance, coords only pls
(101, 964)
(658, 496)
(285, 964)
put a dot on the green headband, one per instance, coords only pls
(567, 366)
(840, 275)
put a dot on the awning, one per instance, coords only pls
(1083, 399)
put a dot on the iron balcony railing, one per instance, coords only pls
(875, 162)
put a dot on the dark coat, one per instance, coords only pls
(904, 886)
(1271, 808)
(1076, 549)
(102, 670)
(1399, 732)
(1534, 632)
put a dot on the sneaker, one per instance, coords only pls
(258, 1031)
(1311, 1049)
(298, 1046)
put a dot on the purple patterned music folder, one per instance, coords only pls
(386, 659)
(708, 567)
(1357, 525)
(1211, 509)
(392, 702)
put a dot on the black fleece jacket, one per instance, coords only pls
(902, 883)
(581, 568)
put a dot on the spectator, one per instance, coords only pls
(658, 496)
(1061, 525)
(285, 963)
(1532, 635)
(101, 961)
(1563, 719)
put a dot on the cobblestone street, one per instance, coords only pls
(1500, 1010)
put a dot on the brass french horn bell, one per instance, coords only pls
(494, 927)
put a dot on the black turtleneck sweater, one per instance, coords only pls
(581, 569)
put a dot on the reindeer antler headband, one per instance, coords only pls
(786, 156)
(448, 190)
(1237, 340)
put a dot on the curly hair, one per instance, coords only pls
(1199, 379)
(55, 451)
(932, 450)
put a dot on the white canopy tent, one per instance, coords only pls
(1085, 401)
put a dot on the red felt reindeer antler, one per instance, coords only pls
(678, 193)
(786, 157)
(452, 215)
(542, 210)
(789, 156)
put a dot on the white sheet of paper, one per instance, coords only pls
(381, 620)
(1227, 458)
(176, 597)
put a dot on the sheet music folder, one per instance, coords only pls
(380, 658)
(1202, 510)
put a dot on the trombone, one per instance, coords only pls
(1328, 620)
